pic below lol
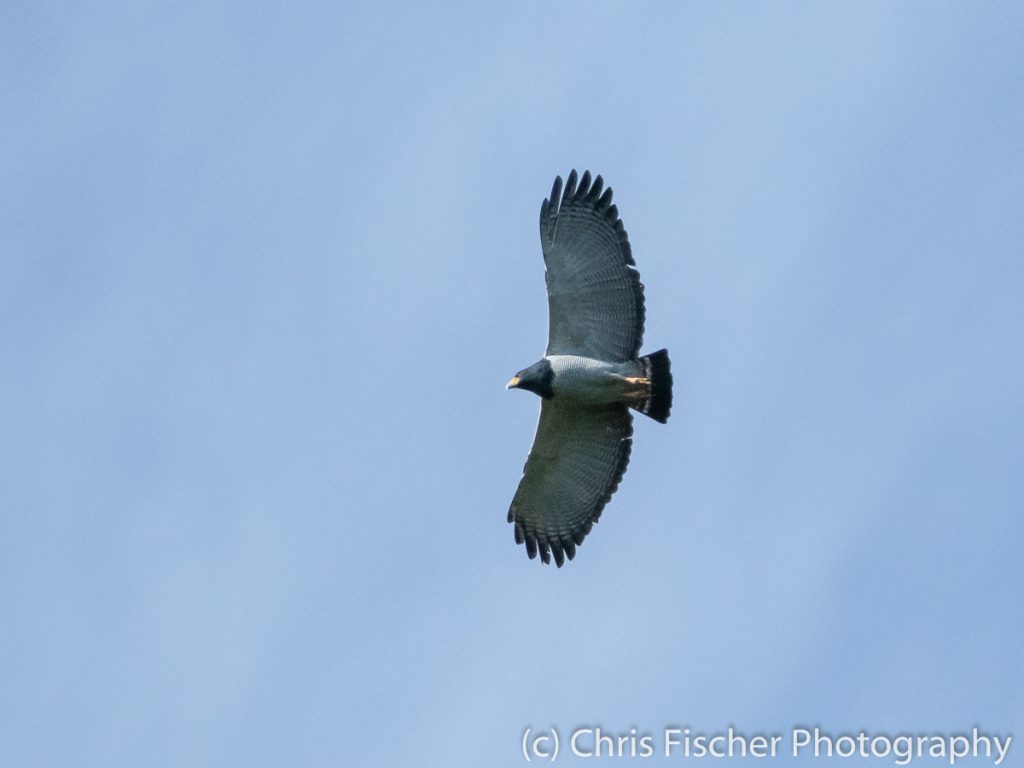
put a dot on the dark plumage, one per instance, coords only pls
(590, 376)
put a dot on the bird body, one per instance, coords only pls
(587, 381)
(591, 375)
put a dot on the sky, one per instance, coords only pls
(265, 269)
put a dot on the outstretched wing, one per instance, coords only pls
(578, 458)
(595, 297)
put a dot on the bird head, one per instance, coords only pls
(537, 379)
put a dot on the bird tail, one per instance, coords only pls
(658, 371)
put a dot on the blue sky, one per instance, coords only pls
(267, 267)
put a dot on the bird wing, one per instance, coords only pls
(595, 297)
(578, 457)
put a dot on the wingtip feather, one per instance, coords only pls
(570, 186)
(584, 188)
(556, 191)
(559, 554)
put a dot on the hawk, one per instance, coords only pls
(591, 375)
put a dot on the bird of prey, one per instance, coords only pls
(591, 375)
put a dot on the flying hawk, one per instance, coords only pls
(590, 375)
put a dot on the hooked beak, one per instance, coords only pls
(512, 383)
